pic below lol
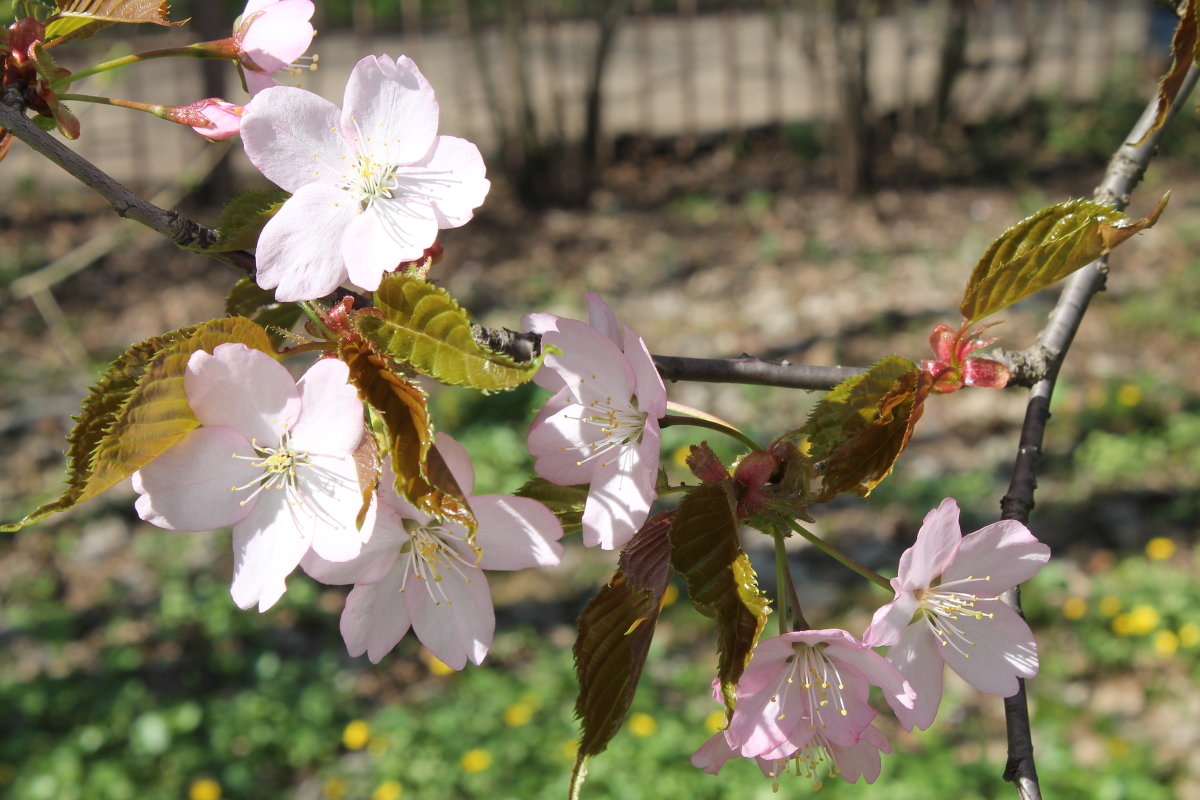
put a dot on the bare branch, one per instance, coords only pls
(179, 229)
(1123, 174)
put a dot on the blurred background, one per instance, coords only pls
(802, 180)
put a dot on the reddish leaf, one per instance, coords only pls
(1183, 55)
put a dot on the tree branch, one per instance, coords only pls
(171, 224)
(1124, 173)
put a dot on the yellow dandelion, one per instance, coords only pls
(1129, 395)
(1166, 643)
(1122, 625)
(715, 721)
(334, 789)
(1074, 608)
(1110, 605)
(1189, 634)
(518, 714)
(642, 725)
(388, 790)
(436, 665)
(1144, 619)
(1160, 548)
(670, 595)
(680, 456)
(476, 760)
(204, 789)
(356, 735)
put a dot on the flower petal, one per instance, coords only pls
(453, 617)
(291, 136)
(861, 760)
(373, 562)
(999, 556)
(452, 180)
(918, 657)
(267, 546)
(937, 541)
(389, 110)
(299, 251)
(516, 532)
(331, 415)
(892, 620)
(557, 443)
(713, 754)
(1004, 650)
(458, 461)
(375, 619)
(619, 499)
(331, 500)
(386, 233)
(216, 387)
(648, 384)
(187, 488)
(280, 36)
(592, 367)
(897, 691)
(602, 318)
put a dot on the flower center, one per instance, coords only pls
(369, 181)
(279, 467)
(810, 761)
(613, 427)
(432, 550)
(943, 611)
(822, 685)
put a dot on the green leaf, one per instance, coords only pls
(860, 427)
(138, 409)
(1183, 54)
(706, 551)
(248, 299)
(243, 218)
(1044, 248)
(421, 324)
(615, 630)
(38, 9)
(422, 475)
(566, 502)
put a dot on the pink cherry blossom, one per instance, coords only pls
(811, 683)
(601, 425)
(371, 183)
(421, 572)
(947, 608)
(270, 35)
(224, 119)
(818, 756)
(272, 457)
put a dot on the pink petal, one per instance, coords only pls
(765, 666)
(862, 759)
(218, 388)
(918, 656)
(280, 35)
(516, 532)
(332, 500)
(452, 180)
(897, 691)
(998, 556)
(299, 251)
(936, 544)
(1004, 649)
(453, 617)
(373, 562)
(458, 460)
(331, 415)
(592, 367)
(619, 499)
(386, 233)
(558, 447)
(267, 546)
(375, 619)
(187, 488)
(756, 727)
(389, 111)
(291, 136)
(651, 393)
(602, 318)
(257, 82)
(892, 620)
(713, 754)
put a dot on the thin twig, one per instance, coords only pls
(1123, 174)
(171, 224)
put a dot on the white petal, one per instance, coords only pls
(451, 179)
(619, 500)
(188, 488)
(389, 112)
(648, 384)
(458, 461)
(516, 532)
(299, 251)
(375, 619)
(331, 497)
(331, 415)
(242, 389)
(918, 657)
(373, 562)
(1004, 649)
(999, 556)
(267, 546)
(453, 617)
(560, 449)
(291, 136)
(936, 544)
(386, 233)
(892, 619)
(602, 318)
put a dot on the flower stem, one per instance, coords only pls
(199, 50)
(839, 556)
(712, 424)
(789, 601)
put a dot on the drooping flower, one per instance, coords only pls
(421, 572)
(947, 608)
(811, 683)
(220, 119)
(816, 758)
(270, 35)
(601, 425)
(272, 457)
(371, 183)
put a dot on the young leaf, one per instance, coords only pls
(566, 502)
(615, 630)
(248, 299)
(421, 324)
(79, 19)
(1183, 55)
(138, 409)
(860, 427)
(1044, 248)
(422, 475)
(243, 218)
(38, 9)
(706, 551)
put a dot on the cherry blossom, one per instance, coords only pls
(817, 756)
(807, 684)
(371, 183)
(421, 572)
(947, 608)
(224, 119)
(601, 425)
(272, 457)
(270, 35)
